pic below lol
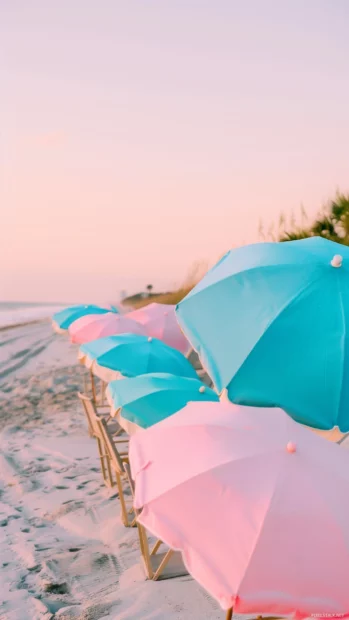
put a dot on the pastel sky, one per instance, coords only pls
(140, 136)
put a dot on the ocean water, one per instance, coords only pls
(18, 313)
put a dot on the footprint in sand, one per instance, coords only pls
(56, 588)
(35, 569)
(83, 484)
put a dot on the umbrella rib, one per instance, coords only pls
(183, 549)
(258, 537)
(227, 277)
(200, 473)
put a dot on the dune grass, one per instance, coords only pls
(174, 297)
(164, 298)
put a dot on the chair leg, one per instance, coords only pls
(101, 458)
(93, 387)
(156, 547)
(89, 426)
(143, 541)
(124, 512)
(163, 564)
(110, 482)
(105, 465)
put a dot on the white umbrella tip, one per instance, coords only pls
(150, 339)
(337, 260)
(202, 389)
(291, 447)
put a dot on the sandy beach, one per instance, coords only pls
(63, 550)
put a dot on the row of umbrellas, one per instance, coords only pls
(257, 503)
(157, 379)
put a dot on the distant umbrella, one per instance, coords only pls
(130, 355)
(161, 322)
(63, 319)
(95, 326)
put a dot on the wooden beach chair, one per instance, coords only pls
(95, 431)
(117, 462)
(90, 408)
(99, 400)
(158, 565)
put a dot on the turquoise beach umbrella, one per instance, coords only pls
(131, 355)
(148, 399)
(271, 324)
(63, 319)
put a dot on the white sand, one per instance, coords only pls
(63, 550)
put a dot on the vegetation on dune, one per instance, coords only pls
(174, 297)
(332, 222)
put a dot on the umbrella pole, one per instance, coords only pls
(93, 387)
(229, 614)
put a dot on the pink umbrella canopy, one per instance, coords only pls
(160, 322)
(257, 504)
(95, 326)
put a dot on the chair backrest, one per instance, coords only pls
(115, 458)
(91, 414)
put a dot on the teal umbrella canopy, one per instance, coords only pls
(147, 399)
(66, 317)
(132, 355)
(271, 325)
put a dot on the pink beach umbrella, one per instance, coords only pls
(257, 504)
(95, 326)
(160, 322)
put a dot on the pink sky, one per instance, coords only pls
(138, 137)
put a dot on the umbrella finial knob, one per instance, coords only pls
(291, 447)
(150, 339)
(337, 260)
(202, 389)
